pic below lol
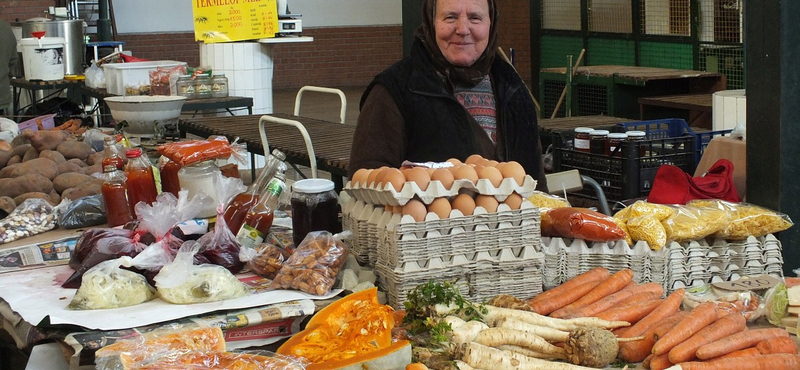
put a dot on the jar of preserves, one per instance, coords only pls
(185, 86)
(236, 210)
(140, 180)
(614, 143)
(639, 138)
(169, 176)
(581, 141)
(315, 207)
(202, 87)
(115, 197)
(598, 141)
(199, 179)
(219, 86)
(259, 220)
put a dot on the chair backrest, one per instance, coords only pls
(329, 90)
(312, 158)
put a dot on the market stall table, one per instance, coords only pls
(699, 107)
(36, 90)
(332, 141)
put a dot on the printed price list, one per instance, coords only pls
(234, 20)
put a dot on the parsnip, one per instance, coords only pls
(496, 313)
(526, 352)
(467, 331)
(454, 321)
(461, 365)
(494, 337)
(548, 333)
(480, 356)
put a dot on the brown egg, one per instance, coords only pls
(454, 161)
(464, 203)
(513, 201)
(488, 202)
(397, 209)
(515, 171)
(466, 173)
(420, 176)
(430, 170)
(474, 159)
(416, 209)
(394, 177)
(441, 207)
(491, 163)
(444, 176)
(492, 174)
(359, 177)
(500, 166)
(373, 176)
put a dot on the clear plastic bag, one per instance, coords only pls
(648, 228)
(546, 201)
(220, 246)
(95, 77)
(265, 260)
(81, 212)
(313, 266)
(747, 219)
(694, 223)
(580, 223)
(33, 216)
(107, 285)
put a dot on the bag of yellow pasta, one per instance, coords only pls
(694, 223)
(648, 228)
(546, 201)
(641, 208)
(748, 219)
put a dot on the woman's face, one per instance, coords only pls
(462, 30)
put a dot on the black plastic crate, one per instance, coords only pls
(629, 172)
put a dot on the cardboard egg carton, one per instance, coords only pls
(387, 195)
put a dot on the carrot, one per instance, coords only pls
(670, 305)
(698, 318)
(647, 295)
(660, 362)
(777, 361)
(777, 345)
(630, 313)
(568, 292)
(416, 366)
(613, 284)
(720, 328)
(747, 352)
(741, 340)
(639, 350)
(646, 361)
(615, 299)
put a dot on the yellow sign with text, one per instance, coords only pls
(234, 20)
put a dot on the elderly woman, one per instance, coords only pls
(450, 98)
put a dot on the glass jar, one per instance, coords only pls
(140, 180)
(169, 177)
(614, 140)
(639, 137)
(314, 208)
(219, 86)
(115, 197)
(202, 87)
(581, 141)
(598, 141)
(199, 178)
(185, 86)
(111, 154)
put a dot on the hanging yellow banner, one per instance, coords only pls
(234, 20)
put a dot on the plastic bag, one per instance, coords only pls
(33, 216)
(694, 223)
(186, 153)
(580, 223)
(747, 219)
(182, 282)
(546, 201)
(746, 302)
(220, 246)
(81, 212)
(265, 260)
(313, 266)
(107, 285)
(95, 77)
(641, 208)
(648, 228)
(251, 360)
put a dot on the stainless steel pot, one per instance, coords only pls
(72, 30)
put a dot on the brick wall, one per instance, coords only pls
(338, 56)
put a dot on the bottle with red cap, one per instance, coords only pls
(141, 182)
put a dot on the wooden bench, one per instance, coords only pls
(699, 107)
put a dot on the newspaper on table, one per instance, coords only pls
(37, 254)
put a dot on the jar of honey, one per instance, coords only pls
(314, 208)
(581, 140)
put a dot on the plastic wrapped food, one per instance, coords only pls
(222, 360)
(266, 260)
(546, 201)
(648, 228)
(641, 208)
(313, 266)
(220, 246)
(747, 219)
(82, 212)
(694, 223)
(107, 285)
(581, 223)
(624, 226)
(182, 282)
(186, 153)
(753, 304)
(33, 216)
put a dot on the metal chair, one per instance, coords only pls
(312, 158)
(328, 90)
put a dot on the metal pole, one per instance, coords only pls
(103, 21)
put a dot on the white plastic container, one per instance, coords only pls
(133, 75)
(43, 59)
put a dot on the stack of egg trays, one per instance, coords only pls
(355, 214)
(479, 250)
(554, 271)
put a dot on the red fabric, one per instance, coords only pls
(673, 186)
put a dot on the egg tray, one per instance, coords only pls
(387, 195)
(675, 266)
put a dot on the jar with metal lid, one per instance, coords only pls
(639, 137)
(598, 141)
(202, 86)
(219, 86)
(581, 141)
(614, 143)
(315, 207)
(185, 86)
(199, 178)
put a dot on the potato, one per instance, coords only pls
(32, 182)
(42, 166)
(5, 146)
(78, 162)
(14, 160)
(93, 169)
(4, 157)
(75, 149)
(32, 153)
(7, 205)
(84, 190)
(53, 155)
(68, 180)
(6, 171)
(20, 150)
(21, 198)
(19, 140)
(68, 167)
(42, 140)
(94, 158)
(55, 198)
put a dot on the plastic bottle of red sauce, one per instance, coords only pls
(111, 154)
(115, 197)
(141, 182)
(259, 220)
(237, 209)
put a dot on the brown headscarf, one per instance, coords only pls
(462, 76)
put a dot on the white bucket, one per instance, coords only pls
(43, 58)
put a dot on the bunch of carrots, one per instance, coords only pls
(72, 126)
(709, 337)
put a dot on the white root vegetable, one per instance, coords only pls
(526, 352)
(480, 356)
(454, 321)
(467, 332)
(461, 365)
(496, 313)
(548, 333)
(494, 337)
